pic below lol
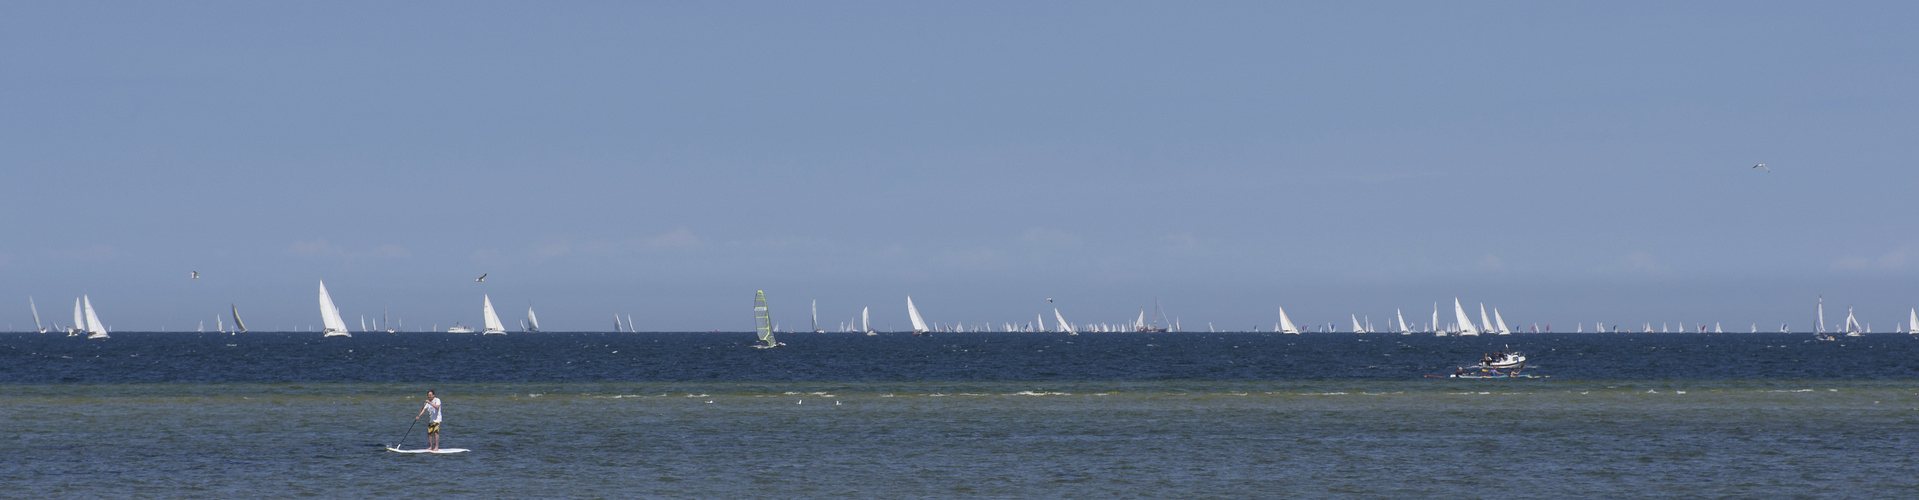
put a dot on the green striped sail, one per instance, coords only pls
(765, 319)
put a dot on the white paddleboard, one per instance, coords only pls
(439, 451)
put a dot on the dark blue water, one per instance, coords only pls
(134, 357)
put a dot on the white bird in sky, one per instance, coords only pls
(196, 274)
(1049, 299)
(481, 278)
(1762, 165)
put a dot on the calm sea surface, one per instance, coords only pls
(1171, 415)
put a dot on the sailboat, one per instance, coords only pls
(1286, 324)
(1465, 324)
(1402, 322)
(1822, 314)
(532, 321)
(219, 325)
(79, 320)
(913, 313)
(36, 316)
(1062, 324)
(1357, 328)
(330, 315)
(1484, 325)
(1140, 325)
(493, 325)
(1501, 322)
(238, 326)
(94, 330)
(1912, 321)
(1852, 324)
(616, 324)
(865, 324)
(816, 317)
(1437, 331)
(764, 320)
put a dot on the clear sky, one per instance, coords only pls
(1562, 161)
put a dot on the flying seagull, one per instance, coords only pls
(1049, 299)
(481, 278)
(196, 275)
(1762, 165)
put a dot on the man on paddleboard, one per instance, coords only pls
(433, 424)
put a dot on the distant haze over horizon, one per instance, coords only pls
(1565, 163)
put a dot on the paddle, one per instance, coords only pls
(409, 432)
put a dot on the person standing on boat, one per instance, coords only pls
(433, 424)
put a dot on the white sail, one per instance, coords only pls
(79, 319)
(1437, 331)
(36, 316)
(1286, 324)
(330, 315)
(1357, 328)
(866, 325)
(1402, 322)
(1822, 315)
(532, 321)
(1062, 324)
(1912, 321)
(94, 329)
(238, 326)
(913, 313)
(816, 317)
(1852, 324)
(1501, 322)
(617, 327)
(493, 324)
(1465, 323)
(1485, 325)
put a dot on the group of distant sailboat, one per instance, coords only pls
(85, 320)
(336, 327)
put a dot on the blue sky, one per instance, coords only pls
(1565, 162)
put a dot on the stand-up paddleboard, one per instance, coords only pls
(423, 450)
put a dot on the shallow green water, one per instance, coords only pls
(989, 439)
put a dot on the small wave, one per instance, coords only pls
(696, 395)
(1791, 390)
(1032, 393)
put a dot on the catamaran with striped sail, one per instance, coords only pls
(330, 315)
(764, 318)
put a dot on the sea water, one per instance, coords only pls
(957, 415)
